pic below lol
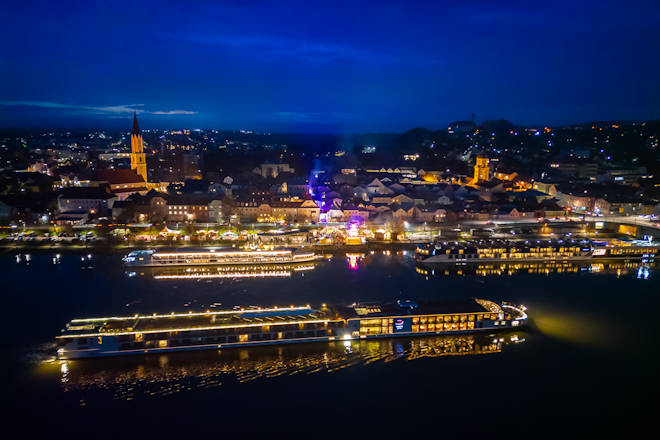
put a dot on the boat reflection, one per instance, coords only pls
(353, 259)
(127, 378)
(508, 269)
(224, 271)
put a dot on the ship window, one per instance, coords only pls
(242, 338)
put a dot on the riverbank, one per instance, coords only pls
(105, 247)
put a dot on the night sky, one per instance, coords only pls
(340, 67)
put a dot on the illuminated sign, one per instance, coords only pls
(402, 325)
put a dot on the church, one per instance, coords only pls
(124, 182)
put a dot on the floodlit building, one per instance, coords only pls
(481, 169)
(138, 158)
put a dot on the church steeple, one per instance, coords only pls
(136, 129)
(138, 158)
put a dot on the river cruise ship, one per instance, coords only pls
(485, 251)
(217, 257)
(140, 334)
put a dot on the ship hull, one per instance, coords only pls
(222, 263)
(86, 354)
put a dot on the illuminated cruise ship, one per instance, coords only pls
(139, 334)
(531, 250)
(217, 256)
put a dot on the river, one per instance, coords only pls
(586, 365)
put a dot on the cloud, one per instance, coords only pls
(174, 112)
(107, 109)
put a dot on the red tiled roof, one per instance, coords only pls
(116, 177)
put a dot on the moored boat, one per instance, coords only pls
(486, 251)
(217, 256)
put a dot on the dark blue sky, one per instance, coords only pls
(339, 67)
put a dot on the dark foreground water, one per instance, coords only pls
(588, 366)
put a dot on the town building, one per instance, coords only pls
(188, 208)
(91, 199)
(122, 182)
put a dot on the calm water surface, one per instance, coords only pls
(587, 365)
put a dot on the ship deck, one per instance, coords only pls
(193, 321)
(368, 310)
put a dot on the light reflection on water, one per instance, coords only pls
(223, 271)
(162, 375)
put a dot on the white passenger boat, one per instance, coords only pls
(217, 257)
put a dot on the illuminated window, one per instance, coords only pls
(242, 338)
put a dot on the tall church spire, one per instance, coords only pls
(136, 129)
(138, 158)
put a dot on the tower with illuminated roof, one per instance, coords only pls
(138, 158)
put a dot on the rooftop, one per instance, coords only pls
(192, 321)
